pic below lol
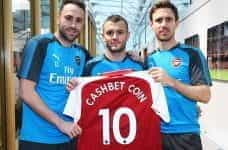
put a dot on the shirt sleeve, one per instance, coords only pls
(73, 105)
(159, 104)
(34, 54)
(199, 71)
(159, 101)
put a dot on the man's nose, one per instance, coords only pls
(115, 35)
(164, 22)
(73, 24)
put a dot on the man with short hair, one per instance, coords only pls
(115, 35)
(117, 110)
(184, 73)
(49, 61)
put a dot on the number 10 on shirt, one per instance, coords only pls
(105, 114)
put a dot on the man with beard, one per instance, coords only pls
(49, 61)
(111, 93)
(115, 35)
(184, 73)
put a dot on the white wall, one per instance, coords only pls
(202, 15)
(214, 120)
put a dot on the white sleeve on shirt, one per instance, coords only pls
(159, 99)
(74, 102)
(73, 105)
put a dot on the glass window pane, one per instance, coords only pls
(217, 51)
(21, 33)
(193, 41)
(45, 16)
(21, 28)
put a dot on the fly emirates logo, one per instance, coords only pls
(115, 86)
(55, 78)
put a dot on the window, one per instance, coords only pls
(21, 28)
(45, 16)
(193, 41)
(217, 51)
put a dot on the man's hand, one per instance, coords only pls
(70, 128)
(159, 75)
(72, 84)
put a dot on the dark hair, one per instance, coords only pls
(115, 19)
(78, 3)
(163, 4)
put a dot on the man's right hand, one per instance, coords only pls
(160, 75)
(71, 129)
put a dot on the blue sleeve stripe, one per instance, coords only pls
(33, 57)
(38, 59)
(205, 68)
(27, 59)
(199, 72)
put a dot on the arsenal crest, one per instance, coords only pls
(77, 60)
(176, 62)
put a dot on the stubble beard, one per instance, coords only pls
(164, 39)
(64, 36)
(121, 49)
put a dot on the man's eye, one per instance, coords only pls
(120, 32)
(159, 20)
(68, 18)
(109, 32)
(78, 20)
(169, 19)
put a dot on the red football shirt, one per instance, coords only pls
(115, 112)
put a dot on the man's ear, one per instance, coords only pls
(151, 23)
(128, 35)
(177, 23)
(58, 19)
(102, 35)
